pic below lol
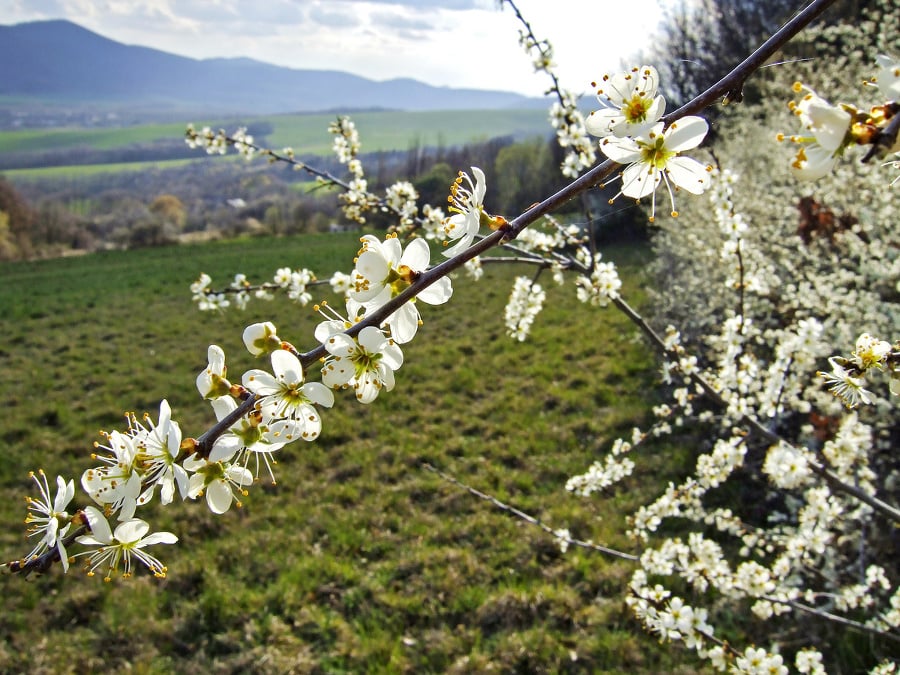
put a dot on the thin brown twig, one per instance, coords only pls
(518, 513)
(833, 481)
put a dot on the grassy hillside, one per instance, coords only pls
(357, 560)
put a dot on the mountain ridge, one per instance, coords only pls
(60, 61)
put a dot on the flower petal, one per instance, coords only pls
(318, 393)
(404, 323)
(438, 293)
(367, 389)
(64, 494)
(131, 530)
(392, 356)
(812, 162)
(309, 421)
(371, 339)
(219, 496)
(225, 447)
(480, 186)
(688, 174)
(601, 122)
(686, 133)
(341, 344)
(327, 328)
(259, 382)
(621, 150)
(157, 538)
(461, 245)
(99, 526)
(639, 181)
(287, 367)
(416, 256)
(386, 375)
(338, 372)
(226, 405)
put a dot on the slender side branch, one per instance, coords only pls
(885, 509)
(43, 562)
(844, 621)
(528, 518)
(529, 32)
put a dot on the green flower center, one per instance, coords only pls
(655, 154)
(211, 471)
(293, 394)
(249, 435)
(364, 362)
(400, 279)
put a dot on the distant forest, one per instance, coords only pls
(218, 198)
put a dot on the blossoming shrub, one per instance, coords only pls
(765, 278)
(791, 251)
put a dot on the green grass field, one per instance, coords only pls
(392, 130)
(358, 560)
(69, 172)
(30, 140)
(307, 134)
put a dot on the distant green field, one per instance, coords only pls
(397, 130)
(307, 134)
(31, 140)
(358, 560)
(94, 169)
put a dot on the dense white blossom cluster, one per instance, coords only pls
(214, 142)
(525, 302)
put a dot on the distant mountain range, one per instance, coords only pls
(61, 63)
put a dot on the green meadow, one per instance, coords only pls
(30, 140)
(358, 559)
(81, 170)
(395, 130)
(307, 134)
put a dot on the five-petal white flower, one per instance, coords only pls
(384, 270)
(211, 382)
(48, 518)
(285, 395)
(366, 363)
(251, 435)
(217, 480)
(118, 484)
(467, 204)
(828, 125)
(261, 338)
(630, 103)
(158, 446)
(125, 544)
(653, 159)
(842, 383)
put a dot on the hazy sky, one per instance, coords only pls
(459, 43)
